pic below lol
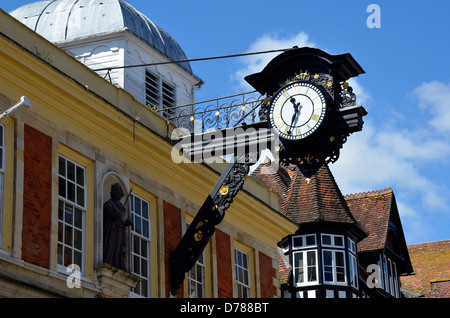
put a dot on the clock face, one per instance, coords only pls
(297, 110)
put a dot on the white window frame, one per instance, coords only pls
(141, 234)
(353, 263)
(196, 276)
(304, 240)
(390, 281)
(333, 239)
(385, 274)
(333, 266)
(241, 266)
(64, 224)
(305, 266)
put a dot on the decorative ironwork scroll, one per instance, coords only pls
(219, 113)
(202, 227)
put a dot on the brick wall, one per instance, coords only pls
(224, 273)
(37, 198)
(440, 289)
(267, 275)
(172, 236)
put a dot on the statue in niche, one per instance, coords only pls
(114, 229)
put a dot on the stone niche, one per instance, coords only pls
(115, 283)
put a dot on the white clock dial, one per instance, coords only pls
(297, 110)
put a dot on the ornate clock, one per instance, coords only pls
(297, 110)
(312, 108)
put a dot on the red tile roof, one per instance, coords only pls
(431, 263)
(305, 200)
(372, 210)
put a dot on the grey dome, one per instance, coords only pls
(65, 20)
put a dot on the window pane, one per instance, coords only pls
(71, 171)
(311, 258)
(339, 259)
(136, 244)
(62, 187)
(80, 176)
(60, 254)
(68, 217)
(62, 166)
(71, 191)
(137, 225)
(78, 218)
(78, 239)
(298, 266)
(77, 258)
(328, 274)
(244, 260)
(61, 210)
(137, 205)
(137, 265)
(327, 258)
(338, 241)
(68, 234)
(144, 266)
(340, 274)
(80, 196)
(60, 232)
(145, 209)
(144, 248)
(311, 240)
(145, 228)
(67, 256)
(298, 241)
(326, 239)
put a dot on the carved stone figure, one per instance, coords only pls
(114, 229)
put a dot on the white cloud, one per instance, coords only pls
(391, 154)
(362, 95)
(435, 98)
(256, 63)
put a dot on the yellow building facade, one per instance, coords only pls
(87, 134)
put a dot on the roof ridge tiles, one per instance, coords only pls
(367, 194)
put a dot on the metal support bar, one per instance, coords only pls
(238, 141)
(202, 227)
(24, 101)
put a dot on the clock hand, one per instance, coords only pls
(297, 108)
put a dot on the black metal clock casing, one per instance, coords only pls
(312, 108)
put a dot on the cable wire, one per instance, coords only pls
(193, 60)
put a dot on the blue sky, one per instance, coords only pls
(405, 143)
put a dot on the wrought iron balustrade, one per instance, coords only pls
(221, 113)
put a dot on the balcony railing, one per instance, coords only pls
(221, 113)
